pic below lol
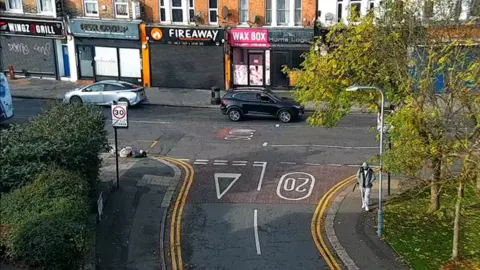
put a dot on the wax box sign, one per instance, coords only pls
(249, 37)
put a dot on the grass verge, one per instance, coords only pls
(424, 239)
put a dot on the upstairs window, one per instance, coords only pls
(177, 11)
(243, 16)
(213, 11)
(268, 12)
(282, 12)
(91, 7)
(298, 12)
(14, 5)
(45, 6)
(121, 8)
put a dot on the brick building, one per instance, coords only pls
(32, 38)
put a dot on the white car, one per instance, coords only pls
(107, 93)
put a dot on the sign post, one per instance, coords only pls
(119, 120)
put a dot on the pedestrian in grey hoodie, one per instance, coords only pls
(365, 178)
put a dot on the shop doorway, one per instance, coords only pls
(248, 67)
(85, 58)
(279, 60)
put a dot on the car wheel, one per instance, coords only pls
(125, 100)
(285, 116)
(234, 114)
(76, 100)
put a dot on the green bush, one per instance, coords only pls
(45, 224)
(67, 136)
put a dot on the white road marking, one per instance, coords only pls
(202, 160)
(239, 164)
(262, 174)
(142, 121)
(313, 164)
(265, 144)
(217, 176)
(255, 230)
(220, 161)
(324, 146)
(289, 184)
(241, 161)
(199, 163)
(336, 165)
(223, 164)
(286, 162)
(277, 125)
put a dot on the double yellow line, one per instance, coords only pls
(176, 219)
(317, 222)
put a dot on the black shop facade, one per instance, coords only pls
(33, 47)
(186, 57)
(287, 46)
(107, 50)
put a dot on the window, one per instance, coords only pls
(91, 7)
(243, 12)
(95, 88)
(191, 10)
(121, 8)
(282, 12)
(298, 12)
(428, 9)
(246, 96)
(45, 6)
(268, 12)
(14, 5)
(475, 8)
(177, 11)
(162, 11)
(339, 10)
(355, 8)
(213, 11)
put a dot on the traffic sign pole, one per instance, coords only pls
(119, 120)
(116, 157)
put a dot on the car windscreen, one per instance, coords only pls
(273, 95)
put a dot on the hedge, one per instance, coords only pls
(66, 136)
(46, 224)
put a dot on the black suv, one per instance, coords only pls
(238, 103)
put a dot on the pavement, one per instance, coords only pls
(250, 202)
(352, 232)
(195, 98)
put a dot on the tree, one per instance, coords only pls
(398, 54)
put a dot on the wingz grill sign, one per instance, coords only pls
(31, 28)
(186, 36)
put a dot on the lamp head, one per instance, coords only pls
(352, 88)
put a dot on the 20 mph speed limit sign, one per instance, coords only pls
(119, 115)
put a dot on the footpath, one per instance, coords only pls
(352, 232)
(129, 234)
(194, 98)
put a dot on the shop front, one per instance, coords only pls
(186, 57)
(250, 57)
(34, 47)
(107, 50)
(287, 46)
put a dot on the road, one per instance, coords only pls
(256, 182)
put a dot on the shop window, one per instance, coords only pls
(475, 8)
(240, 56)
(121, 8)
(45, 6)
(297, 59)
(177, 11)
(162, 11)
(298, 12)
(191, 10)
(282, 12)
(91, 7)
(243, 12)
(339, 10)
(14, 5)
(268, 12)
(213, 11)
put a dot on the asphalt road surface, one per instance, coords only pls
(256, 184)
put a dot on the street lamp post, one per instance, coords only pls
(380, 192)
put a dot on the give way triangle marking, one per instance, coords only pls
(232, 177)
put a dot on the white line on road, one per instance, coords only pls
(336, 165)
(241, 161)
(265, 144)
(255, 229)
(313, 164)
(285, 162)
(262, 174)
(220, 161)
(223, 164)
(239, 164)
(324, 145)
(201, 160)
(199, 163)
